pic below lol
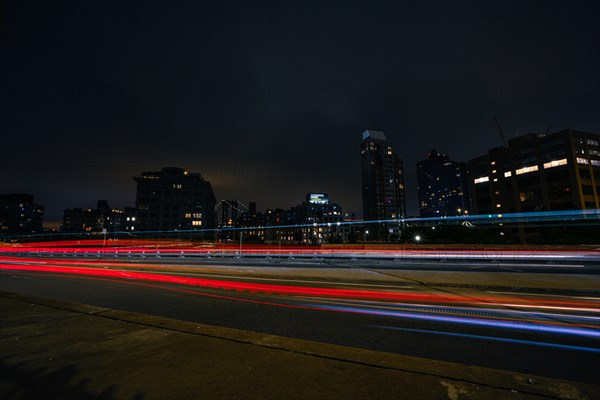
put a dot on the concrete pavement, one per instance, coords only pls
(51, 349)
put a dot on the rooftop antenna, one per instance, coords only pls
(500, 131)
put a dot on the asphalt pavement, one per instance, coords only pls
(52, 349)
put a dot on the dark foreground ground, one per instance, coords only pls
(51, 349)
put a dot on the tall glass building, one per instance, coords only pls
(382, 187)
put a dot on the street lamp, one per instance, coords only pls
(366, 233)
(417, 239)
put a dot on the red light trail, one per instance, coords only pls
(90, 268)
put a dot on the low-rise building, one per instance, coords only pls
(19, 214)
(175, 199)
(99, 219)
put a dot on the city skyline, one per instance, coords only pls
(276, 97)
(55, 222)
(380, 164)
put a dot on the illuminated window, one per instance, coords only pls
(526, 170)
(482, 179)
(198, 215)
(196, 223)
(498, 205)
(524, 196)
(188, 215)
(507, 174)
(595, 162)
(555, 163)
(582, 161)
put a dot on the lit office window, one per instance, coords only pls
(555, 163)
(582, 160)
(482, 179)
(526, 170)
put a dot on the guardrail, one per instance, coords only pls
(315, 256)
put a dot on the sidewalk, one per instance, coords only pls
(51, 349)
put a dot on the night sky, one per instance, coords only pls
(269, 100)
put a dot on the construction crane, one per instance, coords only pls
(500, 131)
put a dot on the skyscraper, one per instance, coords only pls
(442, 186)
(382, 186)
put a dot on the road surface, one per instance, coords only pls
(538, 331)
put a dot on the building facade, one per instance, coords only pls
(560, 171)
(443, 187)
(80, 220)
(382, 186)
(316, 220)
(19, 214)
(129, 219)
(320, 219)
(103, 217)
(174, 199)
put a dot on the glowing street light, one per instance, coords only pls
(417, 238)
